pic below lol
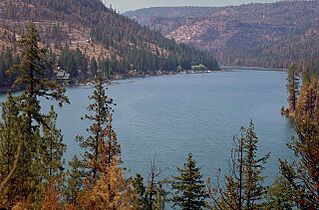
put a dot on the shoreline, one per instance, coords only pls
(146, 75)
(91, 83)
(252, 68)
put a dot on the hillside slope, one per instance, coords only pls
(270, 35)
(84, 35)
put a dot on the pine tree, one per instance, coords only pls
(107, 187)
(32, 77)
(308, 103)
(189, 187)
(244, 185)
(94, 67)
(279, 196)
(74, 182)
(139, 189)
(31, 71)
(51, 198)
(253, 166)
(111, 190)
(292, 87)
(301, 175)
(113, 148)
(155, 195)
(101, 117)
(10, 152)
(53, 150)
(161, 195)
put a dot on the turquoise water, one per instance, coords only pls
(171, 116)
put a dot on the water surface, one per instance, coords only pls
(171, 116)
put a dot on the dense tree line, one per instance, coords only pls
(167, 56)
(278, 54)
(126, 45)
(73, 61)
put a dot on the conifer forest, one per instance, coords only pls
(49, 46)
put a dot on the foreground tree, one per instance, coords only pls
(74, 181)
(52, 163)
(105, 186)
(32, 73)
(32, 77)
(111, 190)
(279, 197)
(52, 198)
(101, 117)
(53, 149)
(189, 187)
(155, 194)
(10, 152)
(301, 177)
(139, 189)
(244, 185)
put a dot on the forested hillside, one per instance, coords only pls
(269, 35)
(34, 174)
(83, 37)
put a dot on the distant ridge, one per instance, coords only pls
(256, 34)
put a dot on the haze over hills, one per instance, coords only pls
(84, 32)
(269, 35)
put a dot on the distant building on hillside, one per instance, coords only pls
(199, 67)
(62, 75)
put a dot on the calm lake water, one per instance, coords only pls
(168, 117)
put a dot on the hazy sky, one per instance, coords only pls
(125, 5)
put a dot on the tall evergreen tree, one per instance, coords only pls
(110, 189)
(292, 87)
(189, 187)
(244, 185)
(31, 70)
(101, 117)
(113, 148)
(119, 196)
(308, 103)
(32, 77)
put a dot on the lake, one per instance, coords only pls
(168, 117)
